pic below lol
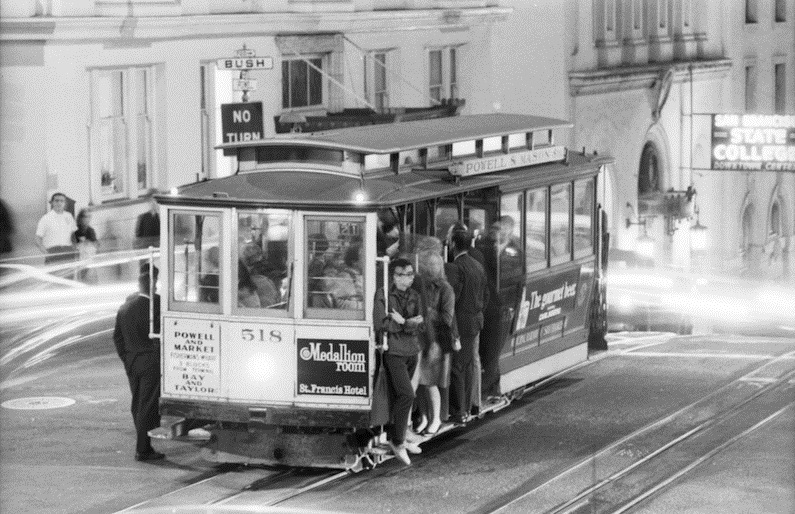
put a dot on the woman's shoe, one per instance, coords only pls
(401, 453)
(422, 424)
(433, 428)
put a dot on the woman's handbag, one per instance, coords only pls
(444, 336)
(381, 410)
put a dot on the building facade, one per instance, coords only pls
(639, 80)
(105, 100)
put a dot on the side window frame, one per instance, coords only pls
(545, 263)
(584, 252)
(197, 306)
(320, 313)
(236, 258)
(563, 258)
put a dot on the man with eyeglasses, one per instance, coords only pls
(402, 325)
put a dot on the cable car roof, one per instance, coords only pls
(335, 191)
(410, 135)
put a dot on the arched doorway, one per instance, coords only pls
(650, 236)
(649, 172)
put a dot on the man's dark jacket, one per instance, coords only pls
(468, 279)
(131, 335)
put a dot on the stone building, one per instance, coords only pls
(639, 80)
(104, 100)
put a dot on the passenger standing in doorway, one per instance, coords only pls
(402, 325)
(468, 279)
(54, 231)
(503, 251)
(439, 336)
(141, 357)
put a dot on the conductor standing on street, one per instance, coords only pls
(141, 357)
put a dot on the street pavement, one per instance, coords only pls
(79, 458)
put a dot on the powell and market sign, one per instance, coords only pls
(753, 142)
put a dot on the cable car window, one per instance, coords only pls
(196, 269)
(334, 249)
(560, 225)
(536, 229)
(475, 220)
(507, 232)
(263, 278)
(583, 217)
(446, 215)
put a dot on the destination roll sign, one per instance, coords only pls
(478, 166)
(753, 142)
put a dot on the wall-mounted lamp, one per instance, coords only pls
(679, 206)
(644, 245)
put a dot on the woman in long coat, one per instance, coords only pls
(439, 300)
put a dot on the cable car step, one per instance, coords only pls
(174, 429)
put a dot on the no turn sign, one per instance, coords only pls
(241, 122)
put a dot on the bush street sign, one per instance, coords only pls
(250, 63)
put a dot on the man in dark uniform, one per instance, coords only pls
(468, 279)
(141, 357)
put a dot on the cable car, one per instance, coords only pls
(267, 331)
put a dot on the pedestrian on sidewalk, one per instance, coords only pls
(54, 231)
(141, 357)
(85, 239)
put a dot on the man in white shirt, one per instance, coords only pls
(54, 231)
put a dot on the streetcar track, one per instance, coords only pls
(277, 487)
(687, 469)
(279, 492)
(706, 355)
(242, 486)
(219, 484)
(575, 502)
(671, 458)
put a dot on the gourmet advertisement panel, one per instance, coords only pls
(547, 305)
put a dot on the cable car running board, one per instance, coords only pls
(174, 429)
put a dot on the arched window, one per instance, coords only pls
(649, 172)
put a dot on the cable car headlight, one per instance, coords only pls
(359, 197)
(174, 191)
(260, 367)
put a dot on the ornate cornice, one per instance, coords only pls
(625, 78)
(127, 29)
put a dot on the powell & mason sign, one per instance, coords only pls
(502, 162)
